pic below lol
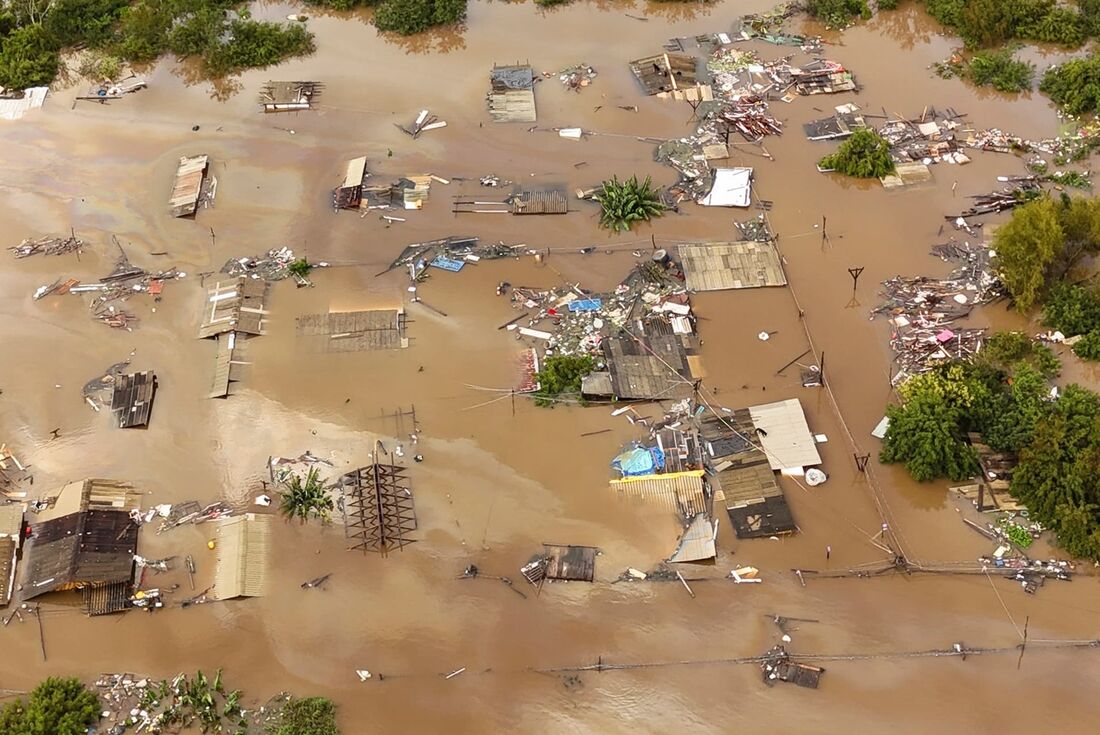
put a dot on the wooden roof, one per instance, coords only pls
(353, 331)
(243, 546)
(769, 517)
(7, 569)
(657, 369)
(540, 202)
(571, 563)
(665, 72)
(188, 185)
(91, 494)
(227, 368)
(92, 547)
(784, 434)
(11, 519)
(512, 94)
(731, 265)
(289, 96)
(235, 306)
(132, 398)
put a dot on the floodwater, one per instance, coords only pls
(498, 480)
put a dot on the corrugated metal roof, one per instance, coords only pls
(7, 569)
(697, 543)
(719, 266)
(243, 544)
(786, 437)
(675, 490)
(188, 185)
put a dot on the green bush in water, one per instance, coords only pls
(998, 69)
(863, 155)
(628, 202)
(407, 17)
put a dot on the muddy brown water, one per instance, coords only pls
(495, 484)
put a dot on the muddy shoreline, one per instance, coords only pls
(495, 485)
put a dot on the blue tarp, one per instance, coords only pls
(447, 264)
(639, 461)
(585, 305)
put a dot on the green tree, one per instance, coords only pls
(308, 716)
(1074, 85)
(838, 13)
(197, 33)
(55, 707)
(1088, 347)
(73, 22)
(257, 44)
(626, 203)
(927, 431)
(561, 375)
(305, 499)
(28, 58)
(407, 17)
(1028, 246)
(1072, 309)
(998, 69)
(864, 155)
(1004, 351)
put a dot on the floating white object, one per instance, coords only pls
(763, 336)
(363, 674)
(815, 477)
(571, 133)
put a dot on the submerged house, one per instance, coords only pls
(512, 94)
(289, 96)
(84, 540)
(11, 534)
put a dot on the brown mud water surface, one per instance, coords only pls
(497, 481)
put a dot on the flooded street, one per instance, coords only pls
(500, 478)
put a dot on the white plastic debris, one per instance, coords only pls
(363, 674)
(815, 477)
(264, 500)
(763, 336)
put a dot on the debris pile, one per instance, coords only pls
(274, 265)
(424, 122)
(574, 78)
(47, 246)
(1024, 190)
(929, 138)
(778, 666)
(769, 27)
(923, 310)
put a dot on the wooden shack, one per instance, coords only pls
(243, 546)
(731, 265)
(665, 73)
(188, 189)
(132, 398)
(512, 94)
(521, 203)
(11, 535)
(349, 194)
(235, 306)
(651, 366)
(85, 539)
(289, 96)
(354, 331)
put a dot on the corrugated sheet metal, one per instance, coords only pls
(786, 437)
(719, 266)
(676, 490)
(697, 543)
(188, 185)
(7, 569)
(243, 545)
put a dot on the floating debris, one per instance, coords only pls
(574, 78)
(47, 246)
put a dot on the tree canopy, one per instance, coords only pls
(308, 716)
(1074, 85)
(407, 17)
(55, 707)
(561, 375)
(1028, 247)
(863, 155)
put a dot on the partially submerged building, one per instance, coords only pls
(85, 540)
(11, 536)
(666, 73)
(132, 398)
(232, 311)
(354, 331)
(350, 193)
(192, 186)
(731, 265)
(289, 96)
(243, 546)
(730, 187)
(512, 94)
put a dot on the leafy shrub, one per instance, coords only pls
(838, 13)
(407, 17)
(561, 375)
(55, 707)
(999, 70)
(627, 202)
(72, 22)
(1072, 309)
(28, 58)
(305, 498)
(341, 4)
(864, 155)
(99, 66)
(993, 22)
(256, 44)
(1004, 350)
(1088, 347)
(1028, 246)
(197, 33)
(308, 716)
(1074, 85)
(143, 31)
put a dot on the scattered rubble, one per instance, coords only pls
(47, 246)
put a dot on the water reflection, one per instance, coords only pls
(436, 40)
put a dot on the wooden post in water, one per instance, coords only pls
(41, 632)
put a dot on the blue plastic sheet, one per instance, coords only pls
(639, 461)
(586, 305)
(447, 264)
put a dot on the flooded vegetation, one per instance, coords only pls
(413, 440)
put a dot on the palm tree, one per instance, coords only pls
(627, 202)
(304, 498)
